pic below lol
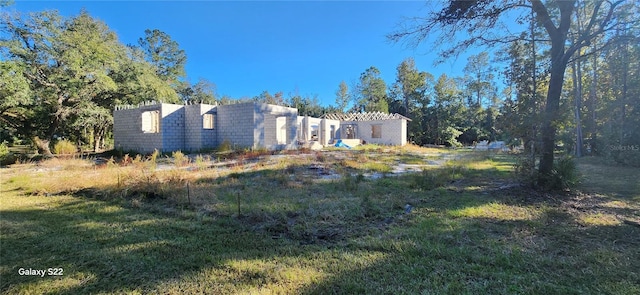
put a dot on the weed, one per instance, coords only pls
(179, 159)
(225, 147)
(153, 159)
(434, 178)
(64, 147)
(201, 162)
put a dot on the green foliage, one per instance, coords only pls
(564, 174)
(164, 54)
(204, 91)
(342, 96)
(4, 149)
(525, 170)
(15, 93)
(371, 92)
(450, 136)
(6, 156)
(307, 106)
(63, 75)
(64, 147)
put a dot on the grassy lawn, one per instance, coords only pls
(317, 223)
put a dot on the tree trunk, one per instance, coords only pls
(43, 146)
(552, 109)
(577, 85)
(97, 139)
(593, 103)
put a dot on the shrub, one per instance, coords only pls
(64, 147)
(4, 149)
(225, 146)
(525, 170)
(6, 157)
(564, 174)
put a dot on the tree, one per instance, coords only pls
(411, 83)
(204, 91)
(372, 92)
(76, 71)
(409, 96)
(482, 20)
(479, 77)
(266, 97)
(307, 106)
(67, 62)
(137, 81)
(445, 115)
(15, 92)
(342, 96)
(165, 54)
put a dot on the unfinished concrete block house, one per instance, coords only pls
(171, 127)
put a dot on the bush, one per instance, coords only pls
(564, 174)
(64, 147)
(525, 170)
(4, 149)
(625, 154)
(6, 157)
(225, 146)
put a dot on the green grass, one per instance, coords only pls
(296, 234)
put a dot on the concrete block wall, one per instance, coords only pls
(393, 132)
(192, 128)
(128, 134)
(236, 124)
(245, 125)
(196, 137)
(209, 136)
(265, 130)
(326, 135)
(172, 127)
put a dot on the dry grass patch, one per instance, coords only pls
(598, 219)
(498, 211)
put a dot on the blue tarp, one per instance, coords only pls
(341, 144)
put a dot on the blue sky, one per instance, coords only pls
(248, 47)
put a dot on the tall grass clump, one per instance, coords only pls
(153, 159)
(225, 147)
(434, 178)
(201, 162)
(64, 147)
(179, 159)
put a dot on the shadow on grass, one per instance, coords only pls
(334, 237)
